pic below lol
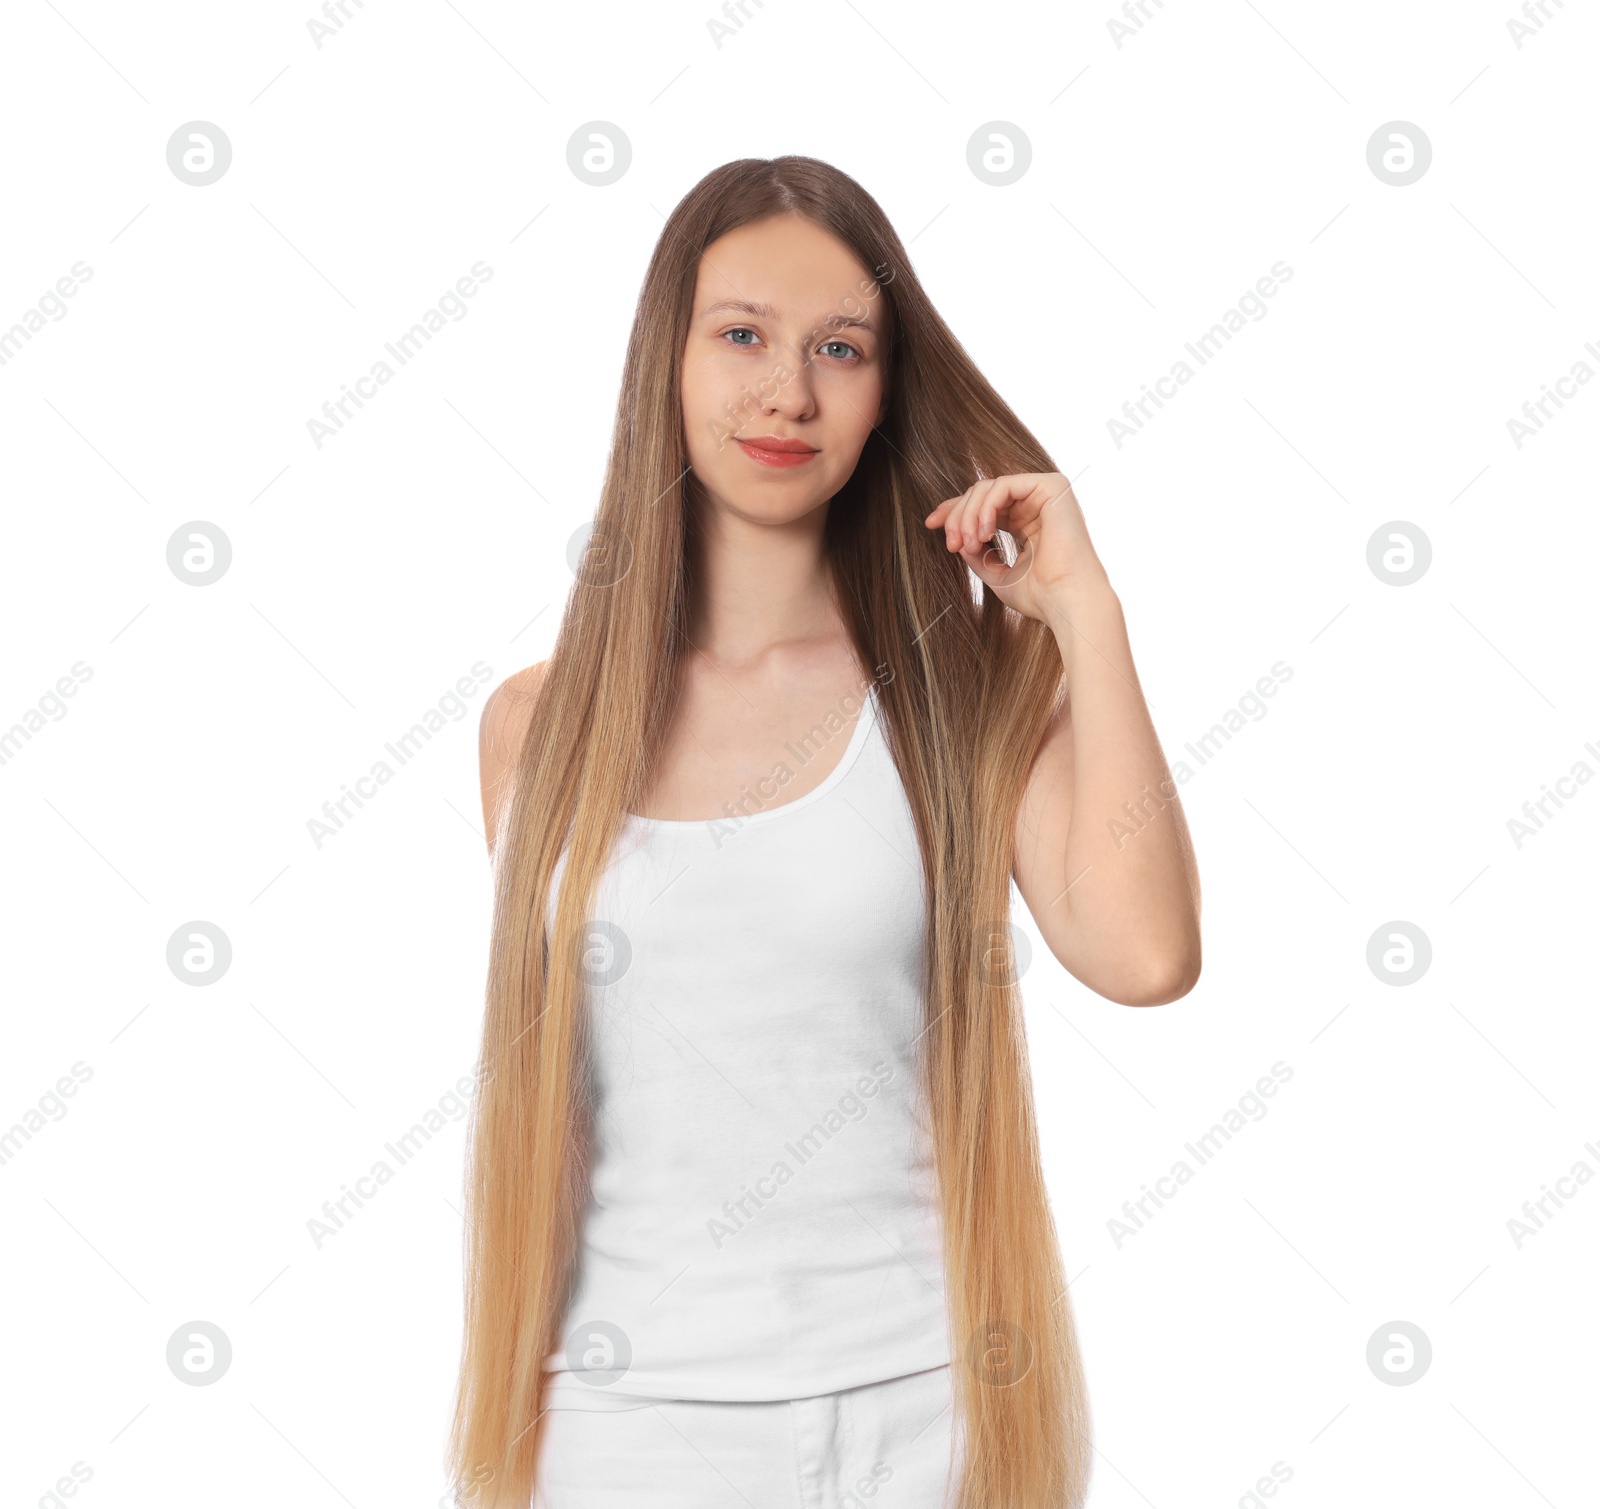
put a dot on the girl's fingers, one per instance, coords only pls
(986, 498)
(940, 517)
(973, 513)
(999, 502)
(956, 524)
(989, 516)
(974, 516)
(977, 522)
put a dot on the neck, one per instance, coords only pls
(757, 585)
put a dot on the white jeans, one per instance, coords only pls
(888, 1445)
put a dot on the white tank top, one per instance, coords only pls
(763, 1219)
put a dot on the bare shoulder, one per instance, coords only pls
(502, 728)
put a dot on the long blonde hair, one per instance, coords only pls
(967, 693)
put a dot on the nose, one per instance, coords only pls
(787, 389)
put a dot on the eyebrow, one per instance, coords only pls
(767, 312)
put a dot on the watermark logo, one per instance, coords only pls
(199, 553)
(604, 953)
(599, 153)
(1003, 953)
(1399, 1352)
(999, 1354)
(1399, 953)
(199, 953)
(1398, 553)
(199, 153)
(598, 556)
(598, 1353)
(1399, 153)
(199, 1353)
(999, 153)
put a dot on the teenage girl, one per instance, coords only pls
(755, 1208)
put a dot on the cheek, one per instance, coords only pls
(702, 410)
(858, 394)
(857, 411)
(712, 392)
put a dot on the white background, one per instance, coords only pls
(431, 533)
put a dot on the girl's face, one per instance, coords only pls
(786, 343)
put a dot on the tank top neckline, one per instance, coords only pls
(865, 719)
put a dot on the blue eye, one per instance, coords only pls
(850, 352)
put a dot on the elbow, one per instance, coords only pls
(1161, 982)
(1147, 972)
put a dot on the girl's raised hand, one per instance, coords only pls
(1055, 562)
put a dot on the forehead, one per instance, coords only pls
(850, 313)
(785, 269)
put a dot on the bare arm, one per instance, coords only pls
(501, 731)
(1103, 856)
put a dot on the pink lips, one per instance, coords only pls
(774, 450)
